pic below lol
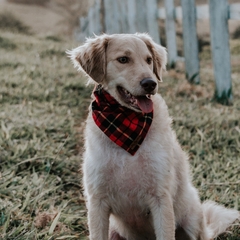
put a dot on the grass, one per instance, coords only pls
(9, 22)
(43, 104)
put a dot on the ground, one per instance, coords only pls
(43, 105)
(48, 17)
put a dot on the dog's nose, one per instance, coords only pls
(148, 84)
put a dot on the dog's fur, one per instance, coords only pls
(148, 195)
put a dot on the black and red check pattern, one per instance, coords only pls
(122, 125)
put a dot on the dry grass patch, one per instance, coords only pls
(43, 105)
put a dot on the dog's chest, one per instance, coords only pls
(130, 177)
(128, 187)
(111, 170)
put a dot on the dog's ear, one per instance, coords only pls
(159, 54)
(91, 57)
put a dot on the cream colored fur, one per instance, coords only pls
(148, 195)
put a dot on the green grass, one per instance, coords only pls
(43, 104)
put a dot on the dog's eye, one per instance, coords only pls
(123, 60)
(149, 60)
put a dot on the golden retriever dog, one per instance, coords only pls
(135, 174)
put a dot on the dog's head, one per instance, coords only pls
(128, 66)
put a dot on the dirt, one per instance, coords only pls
(56, 17)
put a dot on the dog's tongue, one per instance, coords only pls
(145, 104)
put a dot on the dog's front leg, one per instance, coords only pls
(98, 219)
(163, 217)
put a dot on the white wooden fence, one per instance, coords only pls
(130, 16)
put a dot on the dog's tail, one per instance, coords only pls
(218, 218)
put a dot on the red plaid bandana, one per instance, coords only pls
(123, 126)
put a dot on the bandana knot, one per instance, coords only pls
(122, 125)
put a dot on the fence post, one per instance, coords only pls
(98, 28)
(131, 15)
(170, 32)
(190, 41)
(220, 50)
(82, 33)
(91, 26)
(123, 16)
(141, 20)
(152, 20)
(111, 16)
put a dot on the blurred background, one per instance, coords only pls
(47, 17)
(59, 17)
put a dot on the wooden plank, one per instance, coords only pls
(178, 12)
(91, 23)
(234, 11)
(141, 16)
(81, 33)
(170, 32)
(123, 18)
(98, 28)
(220, 50)
(161, 13)
(111, 16)
(190, 41)
(152, 20)
(203, 12)
(84, 25)
(131, 15)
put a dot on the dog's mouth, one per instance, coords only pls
(142, 103)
